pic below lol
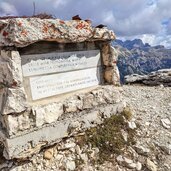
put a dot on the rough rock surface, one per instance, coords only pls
(151, 107)
(160, 77)
(135, 57)
(24, 31)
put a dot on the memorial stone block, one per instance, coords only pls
(55, 81)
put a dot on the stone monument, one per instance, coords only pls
(57, 78)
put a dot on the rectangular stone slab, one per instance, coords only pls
(39, 64)
(50, 85)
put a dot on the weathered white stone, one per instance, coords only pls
(121, 107)
(99, 96)
(48, 153)
(23, 121)
(92, 118)
(108, 74)
(124, 135)
(120, 159)
(132, 125)
(103, 33)
(112, 95)
(19, 146)
(106, 55)
(89, 101)
(13, 100)
(114, 55)
(166, 148)
(10, 67)
(142, 150)
(111, 75)
(48, 113)
(166, 123)
(155, 78)
(73, 104)
(17, 123)
(84, 157)
(70, 165)
(126, 162)
(24, 31)
(115, 76)
(138, 166)
(150, 165)
(11, 124)
(109, 55)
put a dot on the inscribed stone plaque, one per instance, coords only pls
(50, 85)
(39, 64)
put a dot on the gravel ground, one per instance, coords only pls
(152, 112)
(151, 108)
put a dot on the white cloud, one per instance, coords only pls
(7, 9)
(127, 18)
(57, 3)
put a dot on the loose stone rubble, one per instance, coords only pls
(152, 141)
(160, 77)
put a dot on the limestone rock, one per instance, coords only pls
(89, 101)
(24, 31)
(48, 113)
(132, 125)
(14, 100)
(159, 77)
(110, 55)
(48, 154)
(138, 166)
(70, 165)
(166, 123)
(150, 165)
(111, 75)
(166, 147)
(126, 162)
(73, 104)
(11, 72)
(17, 123)
(142, 150)
(106, 54)
(114, 55)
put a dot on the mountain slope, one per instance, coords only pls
(138, 58)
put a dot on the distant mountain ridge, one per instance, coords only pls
(130, 44)
(135, 57)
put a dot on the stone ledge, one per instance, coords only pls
(21, 32)
(13, 100)
(28, 144)
(39, 116)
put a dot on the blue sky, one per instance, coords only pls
(149, 20)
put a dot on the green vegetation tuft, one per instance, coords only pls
(108, 137)
(127, 113)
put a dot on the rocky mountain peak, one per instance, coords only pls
(131, 44)
(135, 57)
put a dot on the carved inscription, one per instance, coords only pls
(50, 85)
(39, 64)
